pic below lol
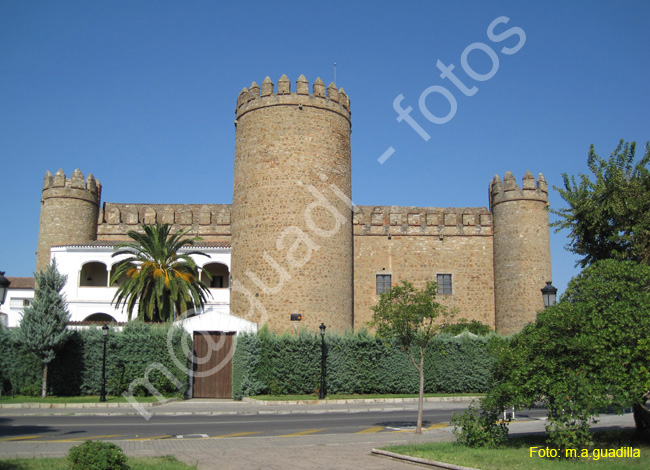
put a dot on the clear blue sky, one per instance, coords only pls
(142, 94)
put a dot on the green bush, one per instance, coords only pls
(479, 428)
(244, 363)
(77, 368)
(97, 455)
(268, 363)
(462, 325)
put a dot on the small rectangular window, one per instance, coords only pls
(444, 284)
(383, 283)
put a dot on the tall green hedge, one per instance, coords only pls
(266, 363)
(77, 368)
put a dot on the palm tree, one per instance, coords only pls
(162, 281)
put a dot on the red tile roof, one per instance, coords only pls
(21, 282)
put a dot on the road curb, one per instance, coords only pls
(211, 413)
(351, 401)
(45, 406)
(417, 460)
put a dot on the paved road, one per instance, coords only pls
(120, 427)
(338, 447)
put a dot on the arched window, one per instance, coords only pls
(100, 317)
(219, 273)
(93, 274)
(119, 281)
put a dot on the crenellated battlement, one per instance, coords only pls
(431, 221)
(509, 190)
(173, 214)
(330, 97)
(76, 186)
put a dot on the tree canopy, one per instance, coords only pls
(160, 280)
(584, 355)
(412, 318)
(43, 325)
(609, 216)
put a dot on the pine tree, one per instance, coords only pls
(43, 326)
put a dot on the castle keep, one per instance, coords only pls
(299, 246)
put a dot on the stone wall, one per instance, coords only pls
(417, 243)
(522, 249)
(292, 236)
(209, 221)
(69, 212)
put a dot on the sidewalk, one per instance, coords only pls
(250, 406)
(309, 452)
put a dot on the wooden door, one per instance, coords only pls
(213, 364)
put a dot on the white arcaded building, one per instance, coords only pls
(89, 294)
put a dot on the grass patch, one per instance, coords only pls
(146, 463)
(83, 399)
(355, 396)
(516, 453)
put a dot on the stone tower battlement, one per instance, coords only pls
(298, 243)
(291, 212)
(69, 212)
(510, 191)
(522, 249)
(77, 187)
(331, 98)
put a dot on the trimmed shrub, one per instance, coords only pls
(77, 368)
(244, 363)
(97, 455)
(267, 363)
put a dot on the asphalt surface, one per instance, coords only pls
(290, 443)
(126, 427)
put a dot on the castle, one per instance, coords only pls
(300, 249)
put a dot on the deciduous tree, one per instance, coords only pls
(584, 355)
(412, 318)
(609, 215)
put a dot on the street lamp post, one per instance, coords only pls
(102, 396)
(321, 394)
(549, 294)
(4, 286)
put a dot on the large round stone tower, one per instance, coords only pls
(522, 250)
(69, 212)
(291, 215)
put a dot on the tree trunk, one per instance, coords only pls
(44, 382)
(418, 429)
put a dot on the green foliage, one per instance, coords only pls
(477, 427)
(584, 355)
(22, 370)
(97, 455)
(77, 368)
(266, 363)
(245, 362)
(163, 282)
(409, 316)
(43, 324)
(459, 364)
(462, 325)
(609, 217)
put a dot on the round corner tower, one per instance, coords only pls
(522, 250)
(291, 216)
(69, 212)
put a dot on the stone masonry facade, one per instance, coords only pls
(298, 243)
